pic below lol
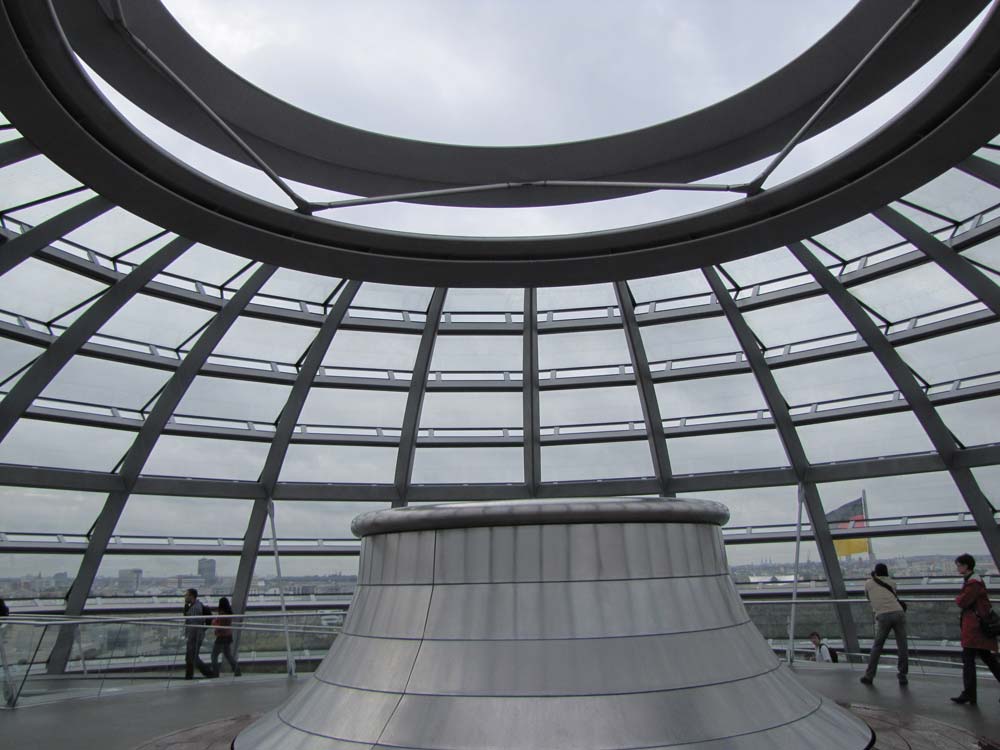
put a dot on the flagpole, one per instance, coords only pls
(864, 509)
(795, 576)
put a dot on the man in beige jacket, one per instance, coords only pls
(889, 615)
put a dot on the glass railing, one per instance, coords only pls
(110, 654)
(147, 650)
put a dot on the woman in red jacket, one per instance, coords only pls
(224, 638)
(974, 603)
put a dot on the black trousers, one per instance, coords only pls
(224, 646)
(192, 657)
(969, 668)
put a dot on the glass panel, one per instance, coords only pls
(381, 351)
(38, 509)
(583, 349)
(686, 398)
(354, 464)
(700, 454)
(168, 576)
(318, 519)
(927, 555)
(670, 285)
(21, 287)
(468, 465)
(300, 285)
(987, 253)
(578, 406)
(31, 179)
(973, 422)
(477, 353)
(689, 338)
(356, 408)
(488, 300)
(955, 194)
(988, 478)
(113, 231)
(897, 496)
(151, 320)
(764, 266)
(393, 297)
(207, 264)
(832, 379)
(756, 506)
(227, 398)
(97, 381)
(13, 356)
(864, 437)
(771, 566)
(797, 321)
(561, 463)
(563, 297)
(859, 237)
(35, 215)
(955, 355)
(444, 409)
(267, 340)
(912, 292)
(34, 442)
(186, 517)
(213, 458)
(922, 219)
(28, 577)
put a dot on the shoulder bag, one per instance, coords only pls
(889, 588)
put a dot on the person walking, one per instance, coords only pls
(974, 603)
(890, 615)
(194, 634)
(224, 638)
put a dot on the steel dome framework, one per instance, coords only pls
(142, 357)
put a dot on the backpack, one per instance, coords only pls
(833, 653)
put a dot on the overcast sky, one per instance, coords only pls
(491, 73)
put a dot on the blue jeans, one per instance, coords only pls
(896, 622)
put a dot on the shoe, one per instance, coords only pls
(868, 681)
(963, 698)
(237, 673)
(903, 680)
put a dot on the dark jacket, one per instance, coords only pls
(974, 600)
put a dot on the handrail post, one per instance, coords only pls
(800, 499)
(281, 590)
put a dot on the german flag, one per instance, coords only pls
(849, 516)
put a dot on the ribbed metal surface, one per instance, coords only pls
(586, 633)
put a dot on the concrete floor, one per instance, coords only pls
(125, 720)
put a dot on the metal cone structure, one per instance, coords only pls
(577, 624)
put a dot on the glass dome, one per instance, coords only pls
(160, 388)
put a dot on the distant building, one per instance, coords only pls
(129, 580)
(206, 570)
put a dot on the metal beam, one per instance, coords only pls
(981, 169)
(960, 269)
(25, 245)
(938, 433)
(16, 150)
(282, 437)
(531, 422)
(139, 452)
(647, 392)
(60, 351)
(796, 454)
(415, 398)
